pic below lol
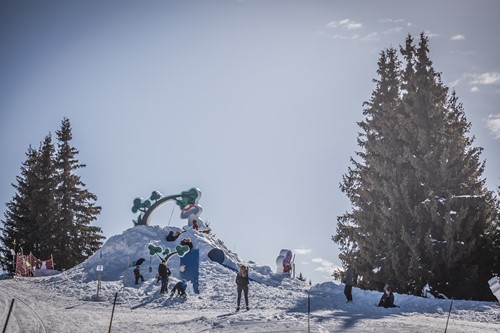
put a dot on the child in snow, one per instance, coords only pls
(387, 299)
(242, 284)
(180, 287)
(138, 275)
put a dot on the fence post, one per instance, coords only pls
(308, 313)
(8, 316)
(112, 312)
(448, 316)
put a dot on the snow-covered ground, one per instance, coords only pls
(68, 302)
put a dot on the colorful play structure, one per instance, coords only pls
(190, 211)
(188, 202)
(29, 265)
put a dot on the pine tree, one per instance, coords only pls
(420, 207)
(30, 215)
(78, 239)
(51, 211)
(366, 235)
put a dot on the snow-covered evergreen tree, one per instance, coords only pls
(77, 239)
(420, 206)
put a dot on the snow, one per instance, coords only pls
(68, 302)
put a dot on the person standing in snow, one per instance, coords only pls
(180, 287)
(349, 282)
(163, 274)
(242, 285)
(138, 275)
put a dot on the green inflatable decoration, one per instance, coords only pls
(146, 207)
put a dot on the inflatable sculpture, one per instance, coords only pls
(180, 250)
(284, 262)
(187, 202)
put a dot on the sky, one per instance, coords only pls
(65, 302)
(254, 102)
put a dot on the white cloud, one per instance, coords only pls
(474, 89)
(430, 34)
(345, 24)
(457, 37)
(455, 83)
(393, 30)
(388, 20)
(374, 36)
(302, 251)
(345, 37)
(324, 265)
(493, 124)
(486, 78)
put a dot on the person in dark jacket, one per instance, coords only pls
(171, 237)
(242, 285)
(180, 287)
(137, 274)
(387, 299)
(349, 282)
(163, 274)
(187, 241)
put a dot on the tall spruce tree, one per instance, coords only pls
(30, 215)
(78, 239)
(420, 207)
(51, 212)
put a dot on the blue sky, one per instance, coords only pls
(254, 102)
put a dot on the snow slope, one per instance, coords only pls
(67, 302)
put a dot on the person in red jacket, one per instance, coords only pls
(195, 225)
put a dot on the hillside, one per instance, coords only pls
(67, 302)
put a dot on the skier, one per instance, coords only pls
(349, 282)
(138, 275)
(180, 287)
(163, 274)
(242, 284)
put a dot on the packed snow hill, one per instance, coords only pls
(71, 302)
